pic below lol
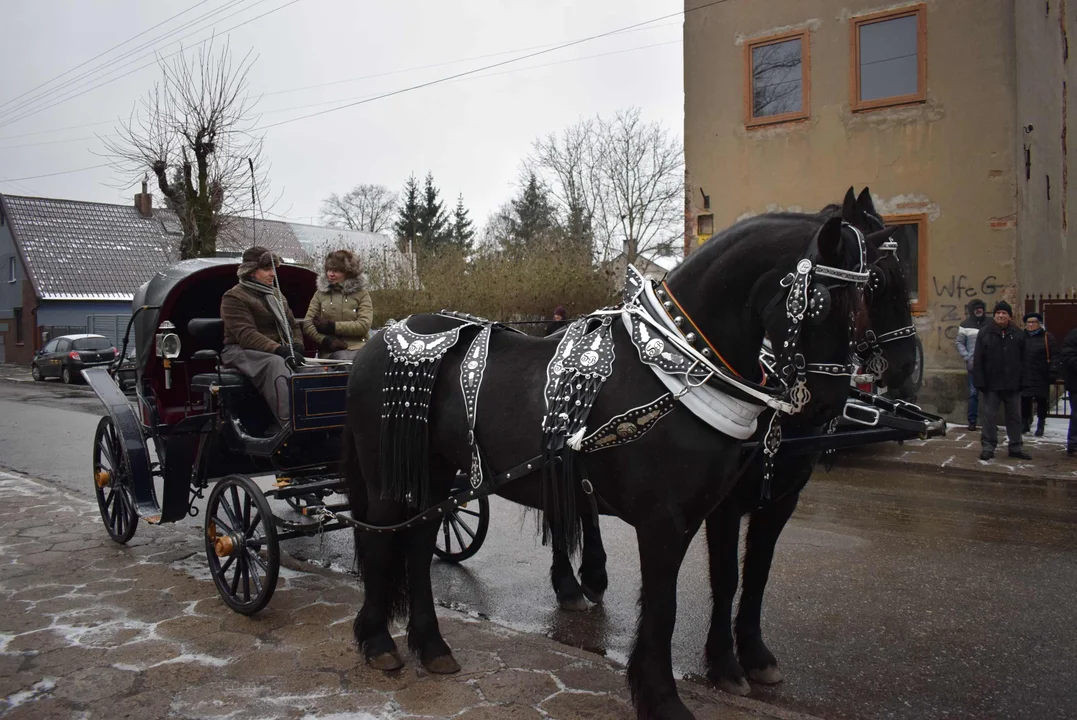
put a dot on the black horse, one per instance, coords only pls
(889, 318)
(733, 660)
(731, 291)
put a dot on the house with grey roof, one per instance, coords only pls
(74, 266)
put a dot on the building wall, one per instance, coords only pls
(14, 295)
(1046, 199)
(951, 157)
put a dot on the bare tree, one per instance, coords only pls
(195, 133)
(623, 177)
(369, 208)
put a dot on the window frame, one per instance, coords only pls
(855, 103)
(19, 335)
(919, 306)
(12, 270)
(804, 113)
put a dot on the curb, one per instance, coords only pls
(986, 473)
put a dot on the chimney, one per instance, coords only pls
(144, 201)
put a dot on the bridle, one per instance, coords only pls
(868, 351)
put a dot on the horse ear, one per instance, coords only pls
(877, 238)
(829, 243)
(848, 207)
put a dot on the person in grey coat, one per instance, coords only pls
(966, 348)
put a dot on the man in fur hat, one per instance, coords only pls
(340, 313)
(261, 336)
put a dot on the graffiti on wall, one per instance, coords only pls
(952, 294)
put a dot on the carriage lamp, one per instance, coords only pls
(168, 347)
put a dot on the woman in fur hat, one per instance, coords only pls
(340, 313)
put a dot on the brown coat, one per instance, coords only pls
(249, 323)
(349, 307)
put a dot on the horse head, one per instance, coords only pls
(788, 277)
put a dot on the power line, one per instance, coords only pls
(473, 71)
(366, 97)
(54, 174)
(142, 67)
(327, 84)
(84, 78)
(106, 52)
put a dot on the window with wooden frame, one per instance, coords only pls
(911, 237)
(777, 71)
(889, 58)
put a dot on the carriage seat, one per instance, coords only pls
(208, 333)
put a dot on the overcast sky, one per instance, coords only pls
(471, 133)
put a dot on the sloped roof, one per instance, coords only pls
(76, 250)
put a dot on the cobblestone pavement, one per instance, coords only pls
(91, 629)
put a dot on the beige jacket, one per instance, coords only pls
(348, 307)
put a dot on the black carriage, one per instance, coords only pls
(196, 426)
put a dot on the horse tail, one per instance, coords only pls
(355, 485)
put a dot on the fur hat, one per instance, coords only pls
(255, 258)
(343, 261)
(1003, 306)
(1033, 316)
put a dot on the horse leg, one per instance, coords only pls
(723, 541)
(764, 527)
(593, 578)
(650, 666)
(565, 586)
(384, 588)
(424, 635)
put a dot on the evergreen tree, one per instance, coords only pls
(407, 225)
(533, 218)
(577, 228)
(434, 228)
(462, 228)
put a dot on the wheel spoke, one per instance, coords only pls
(246, 578)
(456, 532)
(237, 507)
(258, 559)
(253, 572)
(246, 512)
(235, 578)
(224, 568)
(464, 525)
(465, 511)
(112, 515)
(228, 511)
(445, 531)
(254, 525)
(110, 498)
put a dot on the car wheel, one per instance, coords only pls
(66, 376)
(35, 371)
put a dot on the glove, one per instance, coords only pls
(284, 352)
(326, 327)
(298, 352)
(332, 344)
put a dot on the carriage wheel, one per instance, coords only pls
(241, 544)
(463, 531)
(112, 482)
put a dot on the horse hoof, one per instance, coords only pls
(443, 665)
(572, 603)
(386, 661)
(766, 676)
(734, 686)
(595, 597)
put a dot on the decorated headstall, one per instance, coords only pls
(868, 350)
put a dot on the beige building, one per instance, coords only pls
(953, 112)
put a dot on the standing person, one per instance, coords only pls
(261, 336)
(560, 320)
(966, 348)
(1069, 372)
(340, 313)
(999, 373)
(1041, 370)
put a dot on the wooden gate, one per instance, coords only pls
(1059, 316)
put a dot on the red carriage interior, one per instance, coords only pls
(199, 296)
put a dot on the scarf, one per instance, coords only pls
(276, 306)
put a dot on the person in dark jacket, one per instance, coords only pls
(1041, 371)
(998, 370)
(965, 342)
(261, 336)
(1068, 365)
(560, 320)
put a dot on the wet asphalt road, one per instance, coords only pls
(893, 595)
